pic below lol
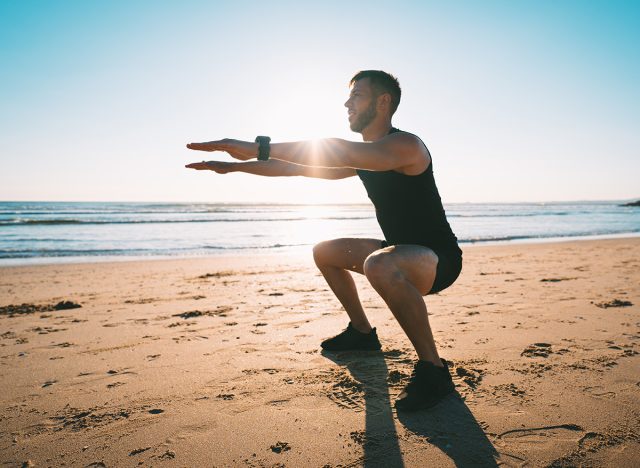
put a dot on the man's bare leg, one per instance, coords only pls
(402, 275)
(335, 258)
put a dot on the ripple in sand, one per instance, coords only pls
(537, 350)
(13, 310)
(77, 419)
(613, 303)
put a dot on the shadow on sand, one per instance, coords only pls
(450, 426)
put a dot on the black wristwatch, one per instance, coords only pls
(264, 148)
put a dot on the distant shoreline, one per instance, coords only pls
(360, 203)
(284, 251)
(37, 233)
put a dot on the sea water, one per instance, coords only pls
(36, 232)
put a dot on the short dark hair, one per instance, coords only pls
(381, 82)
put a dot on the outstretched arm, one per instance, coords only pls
(393, 152)
(273, 168)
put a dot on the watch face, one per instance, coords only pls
(261, 139)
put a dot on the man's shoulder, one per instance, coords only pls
(402, 140)
(403, 136)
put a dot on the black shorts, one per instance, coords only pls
(448, 269)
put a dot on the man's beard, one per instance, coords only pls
(364, 119)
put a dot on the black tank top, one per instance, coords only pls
(409, 209)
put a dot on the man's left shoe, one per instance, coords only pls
(429, 384)
(351, 340)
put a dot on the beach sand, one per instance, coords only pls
(216, 362)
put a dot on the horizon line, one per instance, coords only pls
(274, 203)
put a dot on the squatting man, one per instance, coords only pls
(419, 254)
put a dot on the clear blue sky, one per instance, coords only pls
(517, 101)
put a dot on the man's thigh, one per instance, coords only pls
(345, 253)
(417, 263)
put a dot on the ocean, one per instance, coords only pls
(45, 232)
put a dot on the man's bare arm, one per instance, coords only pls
(274, 168)
(398, 151)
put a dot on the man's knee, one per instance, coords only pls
(381, 270)
(386, 269)
(321, 253)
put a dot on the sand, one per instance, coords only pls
(216, 362)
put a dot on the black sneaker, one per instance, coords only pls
(351, 340)
(428, 385)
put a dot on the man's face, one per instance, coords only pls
(361, 105)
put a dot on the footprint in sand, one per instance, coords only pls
(348, 393)
(280, 447)
(112, 325)
(138, 451)
(76, 419)
(190, 314)
(124, 370)
(46, 330)
(613, 303)
(62, 345)
(168, 455)
(547, 440)
(217, 274)
(599, 392)
(115, 384)
(537, 350)
(359, 437)
(510, 389)
(472, 377)
(396, 378)
(146, 300)
(13, 310)
(259, 371)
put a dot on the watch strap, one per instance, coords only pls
(264, 147)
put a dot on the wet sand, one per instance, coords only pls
(216, 362)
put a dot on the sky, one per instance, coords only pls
(517, 101)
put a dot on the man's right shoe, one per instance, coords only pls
(428, 385)
(352, 340)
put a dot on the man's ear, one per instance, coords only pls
(384, 101)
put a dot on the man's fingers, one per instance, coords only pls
(198, 166)
(217, 145)
(207, 146)
(198, 147)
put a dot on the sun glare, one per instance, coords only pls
(317, 225)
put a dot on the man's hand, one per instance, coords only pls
(242, 150)
(218, 166)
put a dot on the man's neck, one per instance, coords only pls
(376, 130)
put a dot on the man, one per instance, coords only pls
(419, 255)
